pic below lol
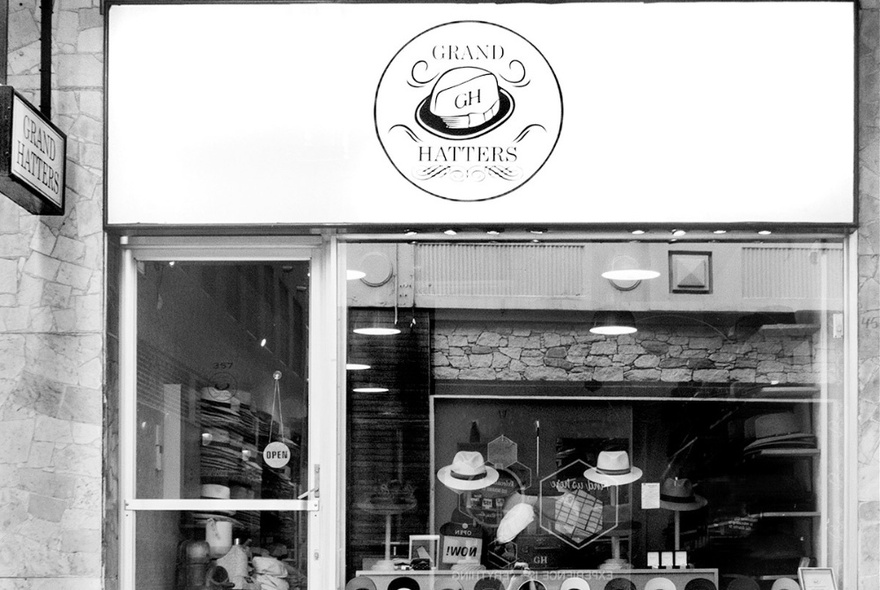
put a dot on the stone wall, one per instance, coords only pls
(869, 294)
(687, 353)
(52, 325)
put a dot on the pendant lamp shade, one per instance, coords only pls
(613, 323)
(374, 323)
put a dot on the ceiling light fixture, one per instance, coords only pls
(678, 232)
(370, 389)
(374, 322)
(356, 367)
(638, 232)
(613, 323)
(720, 231)
(626, 273)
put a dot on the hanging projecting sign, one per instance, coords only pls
(32, 156)
(487, 108)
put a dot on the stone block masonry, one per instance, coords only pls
(52, 342)
(695, 353)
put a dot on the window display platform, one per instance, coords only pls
(643, 579)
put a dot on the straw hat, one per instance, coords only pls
(785, 584)
(660, 584)
(575, 584)
(678, 495)
(613, 469)
(360, 583)
(468, 471)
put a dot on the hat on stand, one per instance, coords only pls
(678, 495)
(468, 471)
(613, 469)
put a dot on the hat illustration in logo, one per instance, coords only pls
(465, 102)
(678, 495)
(468, 471)
(613, 469)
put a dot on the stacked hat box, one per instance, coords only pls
(649, 579)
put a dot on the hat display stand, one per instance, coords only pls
(677, 495)
(613, 470)
(389, 503)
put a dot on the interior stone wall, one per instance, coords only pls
(52, 324)
(691, 352)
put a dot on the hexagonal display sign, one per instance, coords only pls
(575, 509)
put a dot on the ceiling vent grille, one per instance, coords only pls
(791, 272)
(502, 270)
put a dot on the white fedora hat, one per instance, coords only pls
(613, 469)
(468, 471)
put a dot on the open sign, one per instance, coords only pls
(276, 454)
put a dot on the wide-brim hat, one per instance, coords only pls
(770, 425)
(660, 583)
(678, 495)
(575, 584)
(613, 469)
(468, 471)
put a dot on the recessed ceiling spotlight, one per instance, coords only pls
(370, 389)
(764, 232)
(720, 231)
(353, 275)
(263, 343)
(356, 367)
(493, 232)
(450, 232)
(410, 232)
(537, 231)
(171, 263)
(637, 232)
(678, 232)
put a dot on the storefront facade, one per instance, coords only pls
(480, 171)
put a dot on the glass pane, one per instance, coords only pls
(221, 378)
(188, 550)
(531, 421)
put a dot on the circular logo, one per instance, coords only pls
(468, 111)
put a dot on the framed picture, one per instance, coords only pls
(817, 578)
(425, 546)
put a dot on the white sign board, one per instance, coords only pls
(590, 113)
(37, 152)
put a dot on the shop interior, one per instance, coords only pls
(716, 404)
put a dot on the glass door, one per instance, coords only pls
(219, 469)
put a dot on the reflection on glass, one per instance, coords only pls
(192, 550)
(211, 339)
(222, 406)
(523, 440)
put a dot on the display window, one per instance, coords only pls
(610, 415)
(219, 472)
